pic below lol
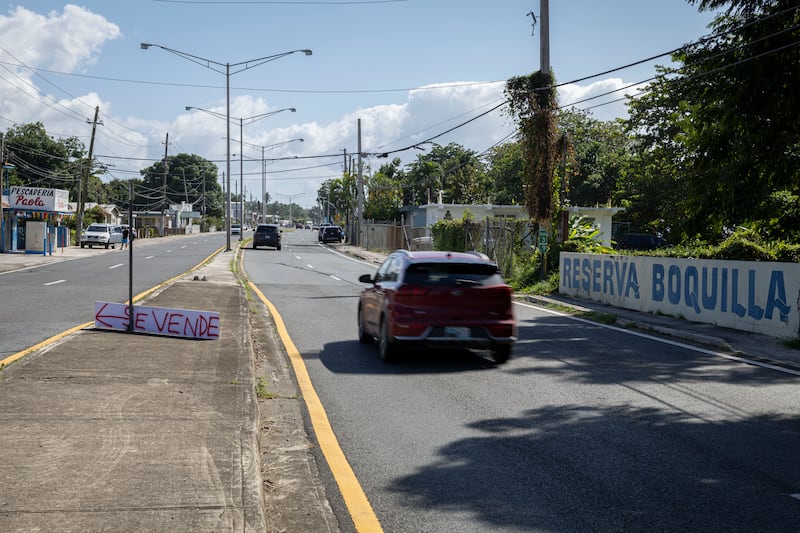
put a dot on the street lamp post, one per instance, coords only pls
(264, 171)
(290, 196)
(241, 120)
(217, 66)
(241, 153)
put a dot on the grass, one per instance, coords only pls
(262, 391)
(792, 343)
(599, 317)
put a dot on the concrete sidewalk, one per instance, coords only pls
(113, 431)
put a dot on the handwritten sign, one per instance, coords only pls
(186, 323)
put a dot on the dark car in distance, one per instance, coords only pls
(267, 235)
(330, 234)
(642, 241)
(437, 299)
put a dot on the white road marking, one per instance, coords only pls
(665, 341)
(116, 266)
(309, 266)
(55, 282)
(149, 257)
(168, 251)
(184, 246)
(337, 279)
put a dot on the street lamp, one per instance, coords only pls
(264, 171)
(254, 118)
(225, 68)
(290, 196)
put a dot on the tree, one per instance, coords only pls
(454, 170)
(385, 193)
(40, 160)
(720, 133)
(597, 157)
(504, 173)
(189, 178)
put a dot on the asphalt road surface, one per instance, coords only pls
(40, 302)
(586, 428)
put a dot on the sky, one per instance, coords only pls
(409, 70)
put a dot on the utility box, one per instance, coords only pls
(35, 237)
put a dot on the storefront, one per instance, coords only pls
(31, 220)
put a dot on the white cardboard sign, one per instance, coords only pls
(187, 323)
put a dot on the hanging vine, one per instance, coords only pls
(532, 103)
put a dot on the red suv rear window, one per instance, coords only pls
(452, 274)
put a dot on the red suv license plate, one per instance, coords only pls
(456, 332)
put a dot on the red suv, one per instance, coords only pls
(444, 299)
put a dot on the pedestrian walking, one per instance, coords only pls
(125, 233)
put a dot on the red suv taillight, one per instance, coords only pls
(407, 294)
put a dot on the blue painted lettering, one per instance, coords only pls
(608, 277)
(692, 288)
(709, 298)
(753, 310)
(658, 283)
(736, 308)
(587, 274)
(674, 284)
(776, 297)
(633, 283)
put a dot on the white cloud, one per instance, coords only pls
(64, 41)
(604, 99)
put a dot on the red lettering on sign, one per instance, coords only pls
(31, 202)
(213, 327)
(174, 320)
(141, 321)
(104, 319)
(177, 322)
(163, 322)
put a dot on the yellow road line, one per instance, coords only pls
(141, 295)
(361, 511)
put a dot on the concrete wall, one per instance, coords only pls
(760, 297)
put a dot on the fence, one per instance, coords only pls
(504, 241)
(389, 237)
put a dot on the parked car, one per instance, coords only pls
(330, 234)
(236, 229)
(642, 241)
(437, 299)
(267, 235)
(98, 234)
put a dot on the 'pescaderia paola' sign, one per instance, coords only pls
(38, 199)
(762, 297)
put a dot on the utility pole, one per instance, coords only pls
(544, 68)
(544, 36)
(263, 186)
(2, 176)
(83, 188)
(360, 191)
(164, 186)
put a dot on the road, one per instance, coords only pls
(586, 428)
(41, 302)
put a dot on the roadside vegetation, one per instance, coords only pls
(708, 160)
